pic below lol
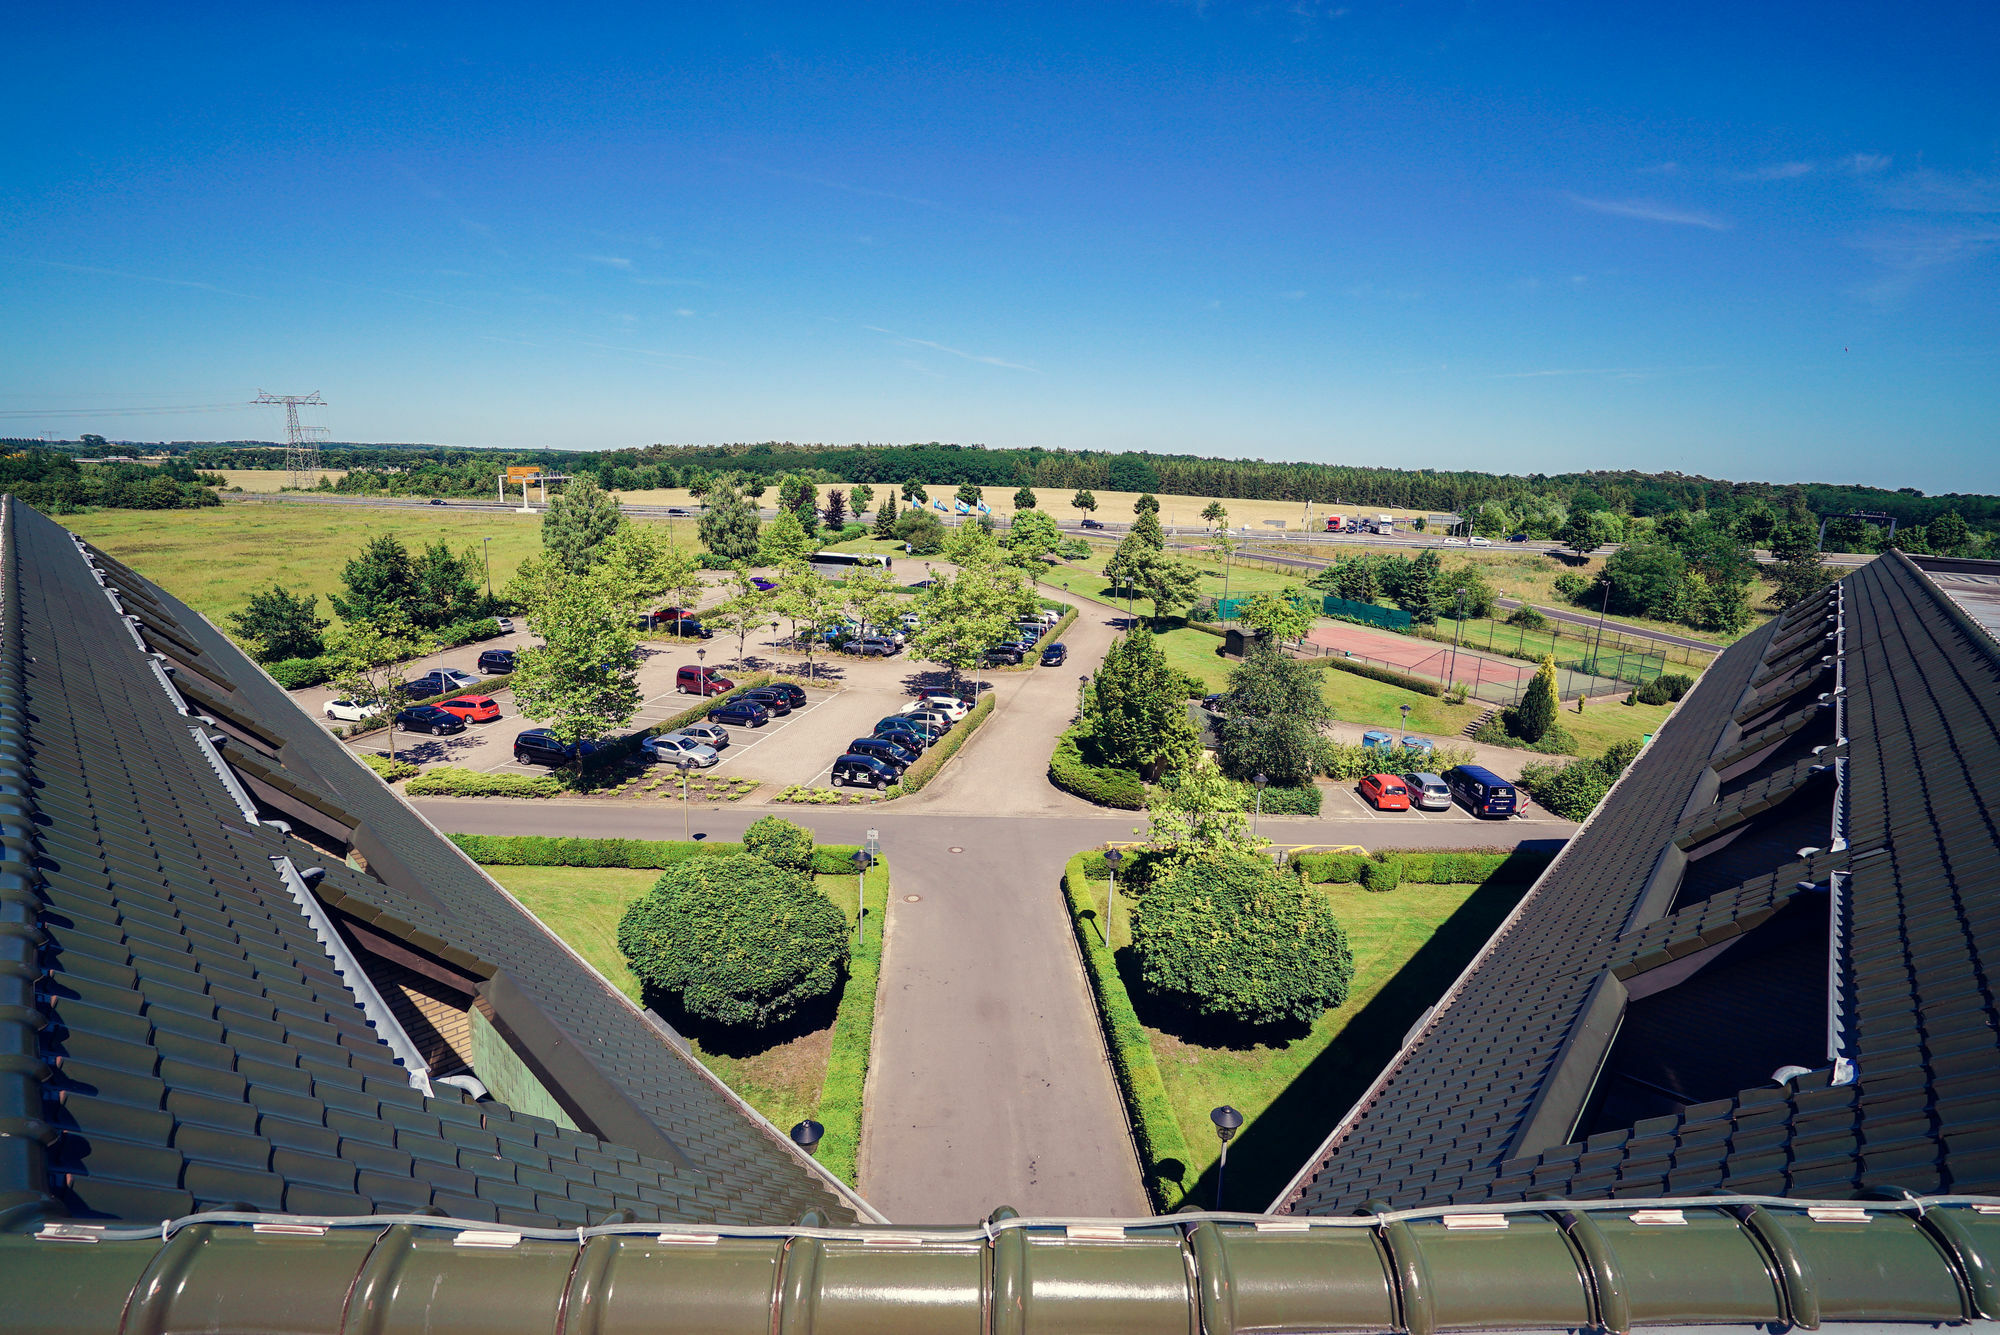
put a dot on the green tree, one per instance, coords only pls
(380, 583)
(1278, 615)
(368, 655)
(871, 597)
(796, 492)
(969, 495)
(1137, 711)
(810, 601)
(1166, 581)
(966, 613)
(914, 493)
(444, 587)
(1643, 578)
(1800, 572)
(971, 544)
(1949, 534)
(922, 530)
(1146, 528)
(744, 610)
(858, 496)
(279, 624)
(1235, 939)
(885, 518)
(1216, 515)
(1580, 534)
(582, 516)
(1032, 536)
(1274, 719)
(1147, 504)
(739, 941)
(755, 487)
(836, 508)
(780, 842)
(582, 680)
(1419, 594)
(1536, 714)
(784, 540)
(1024, 499)
(1465, 579)
(728, 527)
(1196, 815)
(1083, 501)
(1123, 567)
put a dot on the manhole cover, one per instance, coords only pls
(956, 849)
(912, 899)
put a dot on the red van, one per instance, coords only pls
(701, 681)
(1387, 792)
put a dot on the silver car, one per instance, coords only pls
(708, 734)
(1428, 792)
(676, 749)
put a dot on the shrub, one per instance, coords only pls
(390, 770)
(780, 843)
(714, 561)
(1571, 586)
(1618, 755)
(1678, 683)
(1105, 785)
(1421, 685)
(1418, 869)
(295, 674)
(1536, 714)
(1664, 689)
(1571, 791)
(1237, 940)
(452, 781)
(1384, 875)
(738, 940)
(1528, 618)
(1284, 800)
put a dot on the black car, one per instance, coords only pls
(689, 628)
(777, 702)
(887, 750)
(435, 501)
(748, 713)
(1517, 537)
(441, 682)
(1092, 523)
(795, 694)
(1055, 655)
(539, 746)
(495, 661)
(1008, 654)
(678, 512)
(430, 719)
(905, 734)
(861, 771)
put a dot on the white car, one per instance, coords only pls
(506, 625)
(950, 706)
(351, 711)
(1482, 542)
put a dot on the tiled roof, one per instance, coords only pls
(1733, 822)
(175, 1032)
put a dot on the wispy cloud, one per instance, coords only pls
(1647, 211)
(1662, 169)
(1911, 253)
(1928, 191)
(848, 187)
(142, 278)
(1867, 164)
(684, 313)
(907, 342)
(1776, 171)
(609, 261)
(517, 342)
(1606, 372)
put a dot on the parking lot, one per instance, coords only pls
(1343, 801)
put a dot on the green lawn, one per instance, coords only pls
(1609, 720)
(214, 559)
(1354, 699)
(1408, 945)
(782, 1080)
(1087, 577)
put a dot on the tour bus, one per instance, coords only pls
(840, 562)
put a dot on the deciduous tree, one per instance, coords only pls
(784, 541)
(1137, 711)
(1278, 615)
(379, 582)
(582, 680)
(279, 624)
(582, 516)
(1274, 719)
(728, 528)
(1024, 499)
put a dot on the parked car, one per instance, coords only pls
(688, 628)
(1428, 792)
(441, 682)
(472, 708)
(999, 654)
(675, 748)
(950, 706)
(776, 702)
(506, 625)
(701, 681)
(495, 661)
(539, 746)
(887, 750)
(792, 691)
(430, 719)
(861, 772)
(762, 585)
(352, 711)
(1480, 790)
(935, 718)
(897, 729)
(745, 713)
(873, 646)
(708, 734)
(1386, 792)
(1213, 703)
(1055, 655)
(1092, 523)
(1375, 739)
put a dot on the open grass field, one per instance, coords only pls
(781, 1079)
(214, 559)
(1603, 722)
(269, 479)
(1408, 945)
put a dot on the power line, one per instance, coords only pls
(301, 442)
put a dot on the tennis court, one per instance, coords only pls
(1421, 658)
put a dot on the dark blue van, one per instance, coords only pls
(1480, 790)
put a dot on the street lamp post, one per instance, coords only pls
(1082, 680)
(1602, 608)
(1260, 780)
(862, 859)
(1112, 857)
(1226, 1120)
(486, 545)
(684, 800)
(1457, 627)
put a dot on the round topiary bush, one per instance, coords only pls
(1236, 940)
(780, 842)
(738, 940)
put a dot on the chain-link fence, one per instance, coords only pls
(1504, 683)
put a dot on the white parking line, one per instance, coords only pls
(795, 715)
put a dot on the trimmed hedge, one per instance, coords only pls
(1106, 785)
(295, 674)
(1419, 868)
(545, 850)
(927, 766)
(452, 781)
(1386, 874)
(1163, 1150)
(390, 770)
(1280, 800)
(1351, 760)
(1388, 676)
(840, 1094)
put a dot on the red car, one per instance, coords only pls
(472, 708)
(1386, 791)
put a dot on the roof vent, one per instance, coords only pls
(1784, 1075)
(469, 1083)
(312, 876)
(1805, 853)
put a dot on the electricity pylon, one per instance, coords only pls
(301, 442)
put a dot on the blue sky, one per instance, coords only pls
(1749, 241)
